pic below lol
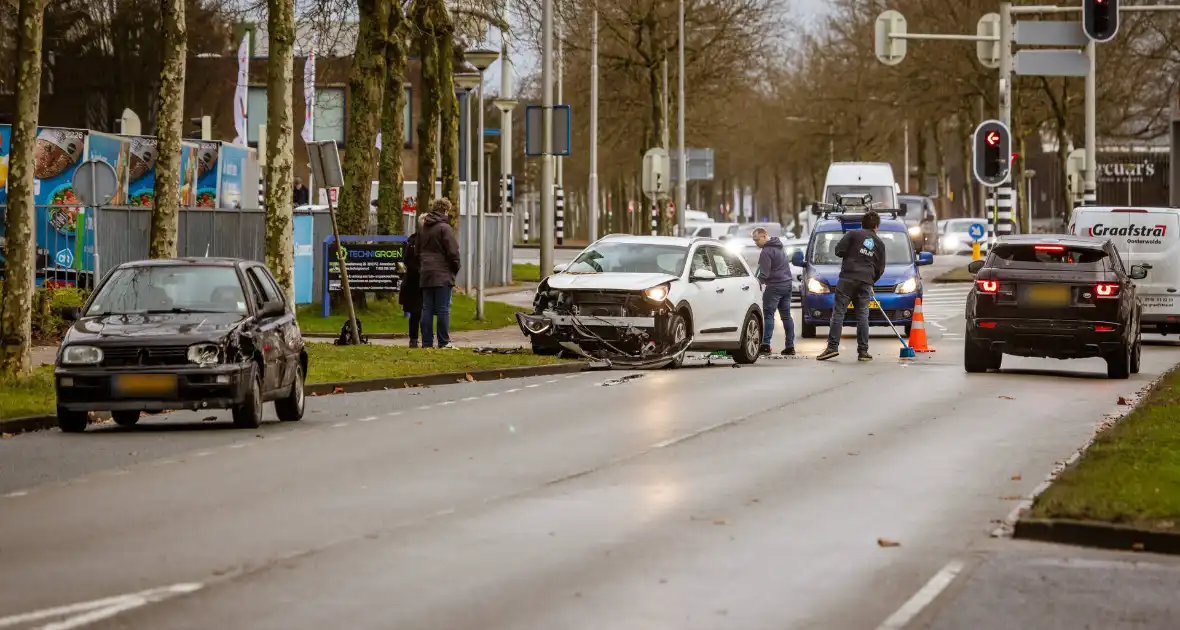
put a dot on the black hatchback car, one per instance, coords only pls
(1060, 297)
(198, 333)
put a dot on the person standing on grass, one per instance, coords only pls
(862, 263)
(774, 274)
(410, 296)
(439, 254)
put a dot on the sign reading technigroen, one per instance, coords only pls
(371, 266)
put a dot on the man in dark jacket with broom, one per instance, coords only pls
(862, 255)
(439, 253)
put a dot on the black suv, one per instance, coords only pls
(1060, 297)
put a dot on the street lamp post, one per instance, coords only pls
(546, 228)
(481, 59)
(467, 82)
(505, 105)
(682, 184)
(594, 127)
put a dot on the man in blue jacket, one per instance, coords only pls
(774, 274)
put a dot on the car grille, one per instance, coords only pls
(147, 356)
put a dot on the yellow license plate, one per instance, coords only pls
(145, 385)
(1048, 295)
(872, 304)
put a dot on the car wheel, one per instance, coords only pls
(72, 421)
(679, 334)
(747, 353)
(544, 345)
(290, 409)
(248, 415)
(126, 418)
(807, 331)
(1118, 365)
(1136, 354)
(976, 358)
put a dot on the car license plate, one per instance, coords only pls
(139, 385)
(1049, 295)
(872, 304)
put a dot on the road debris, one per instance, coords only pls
(619, 381)
(1123, 401)
(885, 542)
(1006, 397)
(1016, 477)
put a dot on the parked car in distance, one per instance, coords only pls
(954, 238)
(193, 333)
(1057, 297)
(921, 220)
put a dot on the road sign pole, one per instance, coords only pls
(1005, 197)
(545, 229)
(1089, 194)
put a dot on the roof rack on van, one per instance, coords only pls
(851, 206)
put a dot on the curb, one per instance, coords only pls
(432, 380)
(1097, 534)
(41, 423)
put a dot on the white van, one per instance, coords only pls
(858, 178)
(1148, 237)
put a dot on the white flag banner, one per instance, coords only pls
(309, 96)
(240, 101)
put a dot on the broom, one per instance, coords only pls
(906, 351)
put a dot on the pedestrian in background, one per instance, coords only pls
(774, 274)
(862, 263)
(439, 254)
(410, 296)
(301, 196)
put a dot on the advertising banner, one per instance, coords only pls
(56, 155)
(116, 151)
(189, 165)
(141, 181)
(371, 266)
(208, 172)
(233, 175)
(5, 147)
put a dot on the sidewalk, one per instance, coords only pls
(508, 337)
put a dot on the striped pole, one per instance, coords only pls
(1005, 206)
(560, 223)
(989, 210)
(655, 218)
(261, 193)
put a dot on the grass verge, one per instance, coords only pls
(958, 274)
(526, 272)
(1131, 474)
(34, 395)
(386, 317)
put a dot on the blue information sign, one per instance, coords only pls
(976, 231)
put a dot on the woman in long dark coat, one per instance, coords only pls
(410, 297)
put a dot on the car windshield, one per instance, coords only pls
(747, 230)
(169, 289)
(959, 226)
(882, 195)
(1048, 255)
(617, 257)
(897, 248)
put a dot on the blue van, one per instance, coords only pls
(897, 290)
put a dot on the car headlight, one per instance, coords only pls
(204, 354)
(657, 294)
(909, 286)
(81, 355)
(816, 286)
(915, 231)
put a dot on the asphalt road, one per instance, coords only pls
(708, 497)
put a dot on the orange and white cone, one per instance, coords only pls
(917, 338)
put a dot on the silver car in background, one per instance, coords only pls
(750, 252)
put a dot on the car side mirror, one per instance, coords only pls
(975, 266)
(905, 209)
(926, 258)
(703, 275)
(1138, 272)
(929, 216)
(798, 260)
(560, 268)
(74, 313)
(273, 308)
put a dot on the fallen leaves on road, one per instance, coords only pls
(720, 521)
(1006, 397)
(209, 419)
(885, 542)
(337, 390)
(1123, 401)
(1137, 547)
(469, 378)
(853, 454)
(1016, 477)
(1012, 498)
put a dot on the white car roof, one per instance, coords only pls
(682, 241)
(1152, 210)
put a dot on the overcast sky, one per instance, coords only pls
(525, 62)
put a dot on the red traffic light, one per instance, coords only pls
(993, 138)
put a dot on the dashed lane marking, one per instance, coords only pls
(17, 494)
(909, 610)
(339, 425)
(88, 613)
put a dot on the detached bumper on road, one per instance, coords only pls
(94, 389)
(1045, 338)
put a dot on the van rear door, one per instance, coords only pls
(1143, 236)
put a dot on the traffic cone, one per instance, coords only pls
(918, 330)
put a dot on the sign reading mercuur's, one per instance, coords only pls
(371, 266)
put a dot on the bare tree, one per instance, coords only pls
(391, 179)
(165, 214)
(365, 87)
(280, 144)
(423, 15)
(20, 255)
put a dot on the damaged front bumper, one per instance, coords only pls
(636, 342)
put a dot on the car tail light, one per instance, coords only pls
(987, 324)
(1101, 328)
(1135, 210)
(988, 286)
(1106, 290)
(1049, 248)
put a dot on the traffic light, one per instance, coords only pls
(202, 128)
(1100, 19)
(993, 153)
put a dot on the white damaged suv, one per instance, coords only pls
(644, 301)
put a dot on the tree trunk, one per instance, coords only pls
(779, 213)
(449, 105)
(944, 203)
(390, 189)
(20, 255)
(365, 87)
(429, 101)
(170, 129)
(280, 145)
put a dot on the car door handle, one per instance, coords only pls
(745, 287)
(721, 290)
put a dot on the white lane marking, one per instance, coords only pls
(164, 462)
(237, 445)
(369, 419)
(491, 395)
(923, 597)
(424, 407)
(533, 385)
(86, 613)
(203, 454)
(445, 403)
(394, 414)
(469, 399)
(339, 425)
(573, 376)
(552, 380)
(16, 494)
(512, 391)
(277, 438)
